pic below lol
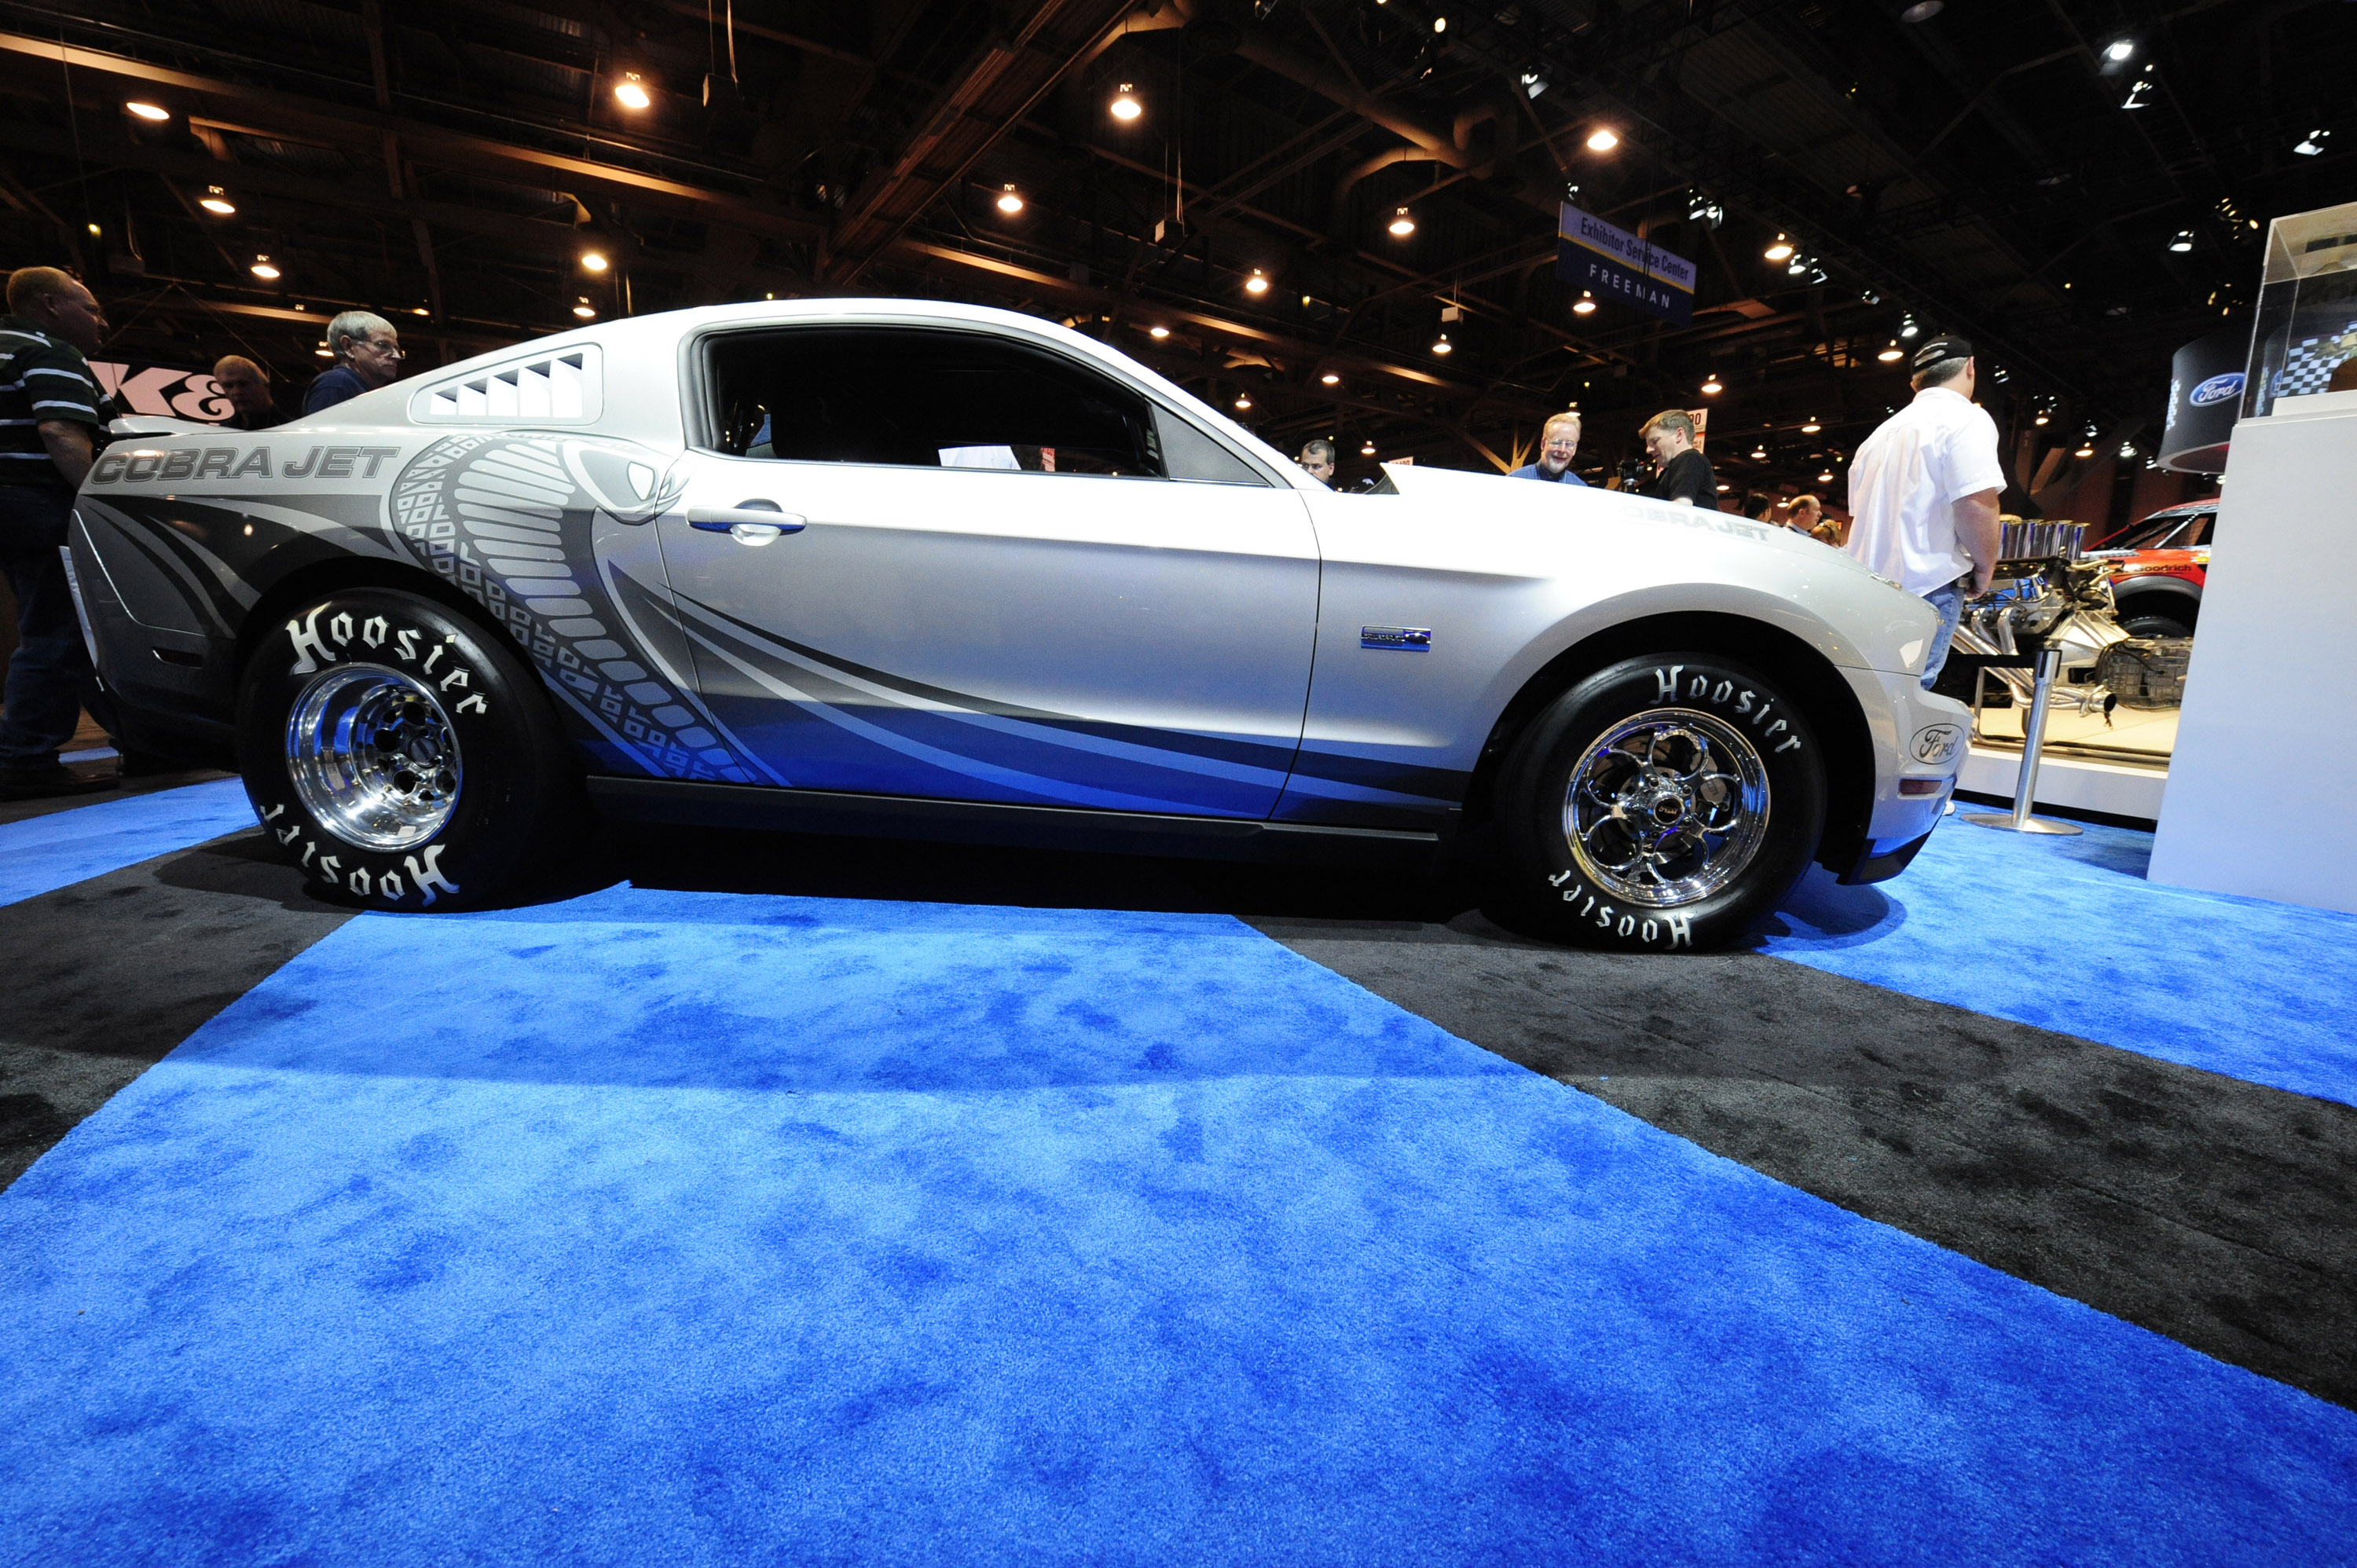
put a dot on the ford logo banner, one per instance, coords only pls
(2217, 389)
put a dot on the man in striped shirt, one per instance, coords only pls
(51, 415)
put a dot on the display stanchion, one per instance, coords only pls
(2033, 743)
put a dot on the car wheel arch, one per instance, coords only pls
(2172, 596)
(323, 577)
(1833, 708)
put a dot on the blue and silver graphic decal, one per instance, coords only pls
(1412, 639)
(510, 520)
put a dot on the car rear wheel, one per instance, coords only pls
(401, 756)
(1664, 802)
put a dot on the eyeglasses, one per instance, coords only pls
(390, 350)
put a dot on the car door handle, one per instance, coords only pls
(747, 524)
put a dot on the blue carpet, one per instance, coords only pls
(665, 1228)
(40, 855)
(2066, 934)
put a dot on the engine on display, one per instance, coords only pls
(2044, 596)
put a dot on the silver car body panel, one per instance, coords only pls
(1264, 650)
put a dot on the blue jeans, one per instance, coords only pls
(1949, 602)
(49, 680)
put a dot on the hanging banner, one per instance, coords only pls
(163, 390)
(1615, 265)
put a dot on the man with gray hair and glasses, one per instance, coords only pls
(1924, 492)
(368, 356)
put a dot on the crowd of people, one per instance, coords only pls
(1682, 473)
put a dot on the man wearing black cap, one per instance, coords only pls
(1923, 489)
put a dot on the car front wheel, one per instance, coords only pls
(401, 756)
(1664, 802)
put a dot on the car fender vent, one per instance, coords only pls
(566, 386)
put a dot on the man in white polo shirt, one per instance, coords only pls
(1923, 489)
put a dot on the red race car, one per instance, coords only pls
(2156, 568)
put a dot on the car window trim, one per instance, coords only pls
(701, 419)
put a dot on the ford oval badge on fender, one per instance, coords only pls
(2217, 389)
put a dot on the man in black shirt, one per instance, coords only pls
(1685, 475)
(247, 387)
(51, 415)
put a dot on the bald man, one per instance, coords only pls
(247, 387)
(52, 416)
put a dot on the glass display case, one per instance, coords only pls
(2304, 341)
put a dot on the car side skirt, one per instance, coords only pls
(697, 804)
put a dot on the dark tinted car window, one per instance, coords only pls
(924, 398)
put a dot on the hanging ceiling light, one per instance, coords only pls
(1244, 401)
(1894, 352)
(2135, 100)
(1401, 225)
(2040, 420)
(1331, 379)
(216, 201)
(2086, 449)
(632, 92)
(1798, 265)
(1585, 304)
(1759, 453)
(2119, 51)
(149, 111)
(1157, 332)
(1367, 450)
(585, 310)
(2311, 144)
(1533, 84)
(1826, 478)
(1257, 283)
(1009, 201)
(1711, 388)
(2127, 448)
(1780, 250)
(263, 269)
(592, 261)
(1922, 11)
(1907, 328)
(324, 352)
(1812, 428)
(1602, 140)
(1124, 105)
(1442, 345)
(419, 310)
(2183, 242)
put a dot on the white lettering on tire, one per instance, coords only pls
(406, 642)
(429, 877)
(359, 881)
(1746, 703)
(391, 886)
(372, 632)
(307, 644)
(1673, 930)
(340, 628)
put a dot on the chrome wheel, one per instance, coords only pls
(1666, 807)
(374, 756)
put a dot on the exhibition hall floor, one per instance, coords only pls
(767, 1199)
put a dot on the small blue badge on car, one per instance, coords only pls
(1415, 638)
(2217, 389)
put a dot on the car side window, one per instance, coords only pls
(2199, 535)
(924, 397)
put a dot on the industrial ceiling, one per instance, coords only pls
(1310, 194)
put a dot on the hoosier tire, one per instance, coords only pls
(1664, 802)
(403, 756)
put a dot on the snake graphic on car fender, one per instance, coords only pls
(512, 519)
